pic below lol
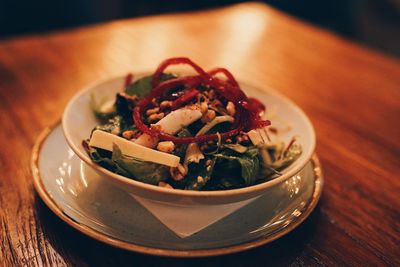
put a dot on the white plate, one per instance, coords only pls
(188, 211)
(86, 201)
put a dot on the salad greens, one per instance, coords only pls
(143, 171)
(213, 165)
(142, 87)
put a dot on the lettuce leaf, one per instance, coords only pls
(143, 86)
(224, 183)
(115, 122)
(103, 158)
(199, 174)
(124, 108)
(249, 166)
(287, 158)
(118, 163)
(181, 149)
(96, 106)
(139, 170)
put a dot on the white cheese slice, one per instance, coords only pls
(171, 124)
(177, 119)
(106, 140)
(255, 137)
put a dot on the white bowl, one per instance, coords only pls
(78, 121)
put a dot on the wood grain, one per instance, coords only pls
(352, 95)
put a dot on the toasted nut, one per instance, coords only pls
(152, 111)
(182, 169)
(208, 162)
(165, 104)
(155, 127)
(166, 146)
(228, 141)
(230, 108)
(116, 131)
(165, 185)
(128, 97)
(129, 134)
(155, 117)
(209, 116)
(200, 179)
(178, 173)
(195, 185)
(242, 138)
(203, 107)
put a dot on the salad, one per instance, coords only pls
(196, 132)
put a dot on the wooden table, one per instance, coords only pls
(352, 95)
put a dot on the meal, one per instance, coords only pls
(195, 132)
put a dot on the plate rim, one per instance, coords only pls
(97, 235)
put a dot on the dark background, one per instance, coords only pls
(375, 23)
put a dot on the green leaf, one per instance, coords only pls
(200, 173)
(249, 165)
(287, 158)
(143, 86)
(224, 183)
(102, 157)
(252, 151)
(275, 158)
(124, 107)
(181, 149)
(116, 122)
(250, 168)
(96, 106)
(143, 171)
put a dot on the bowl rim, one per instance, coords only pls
(180, 192)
